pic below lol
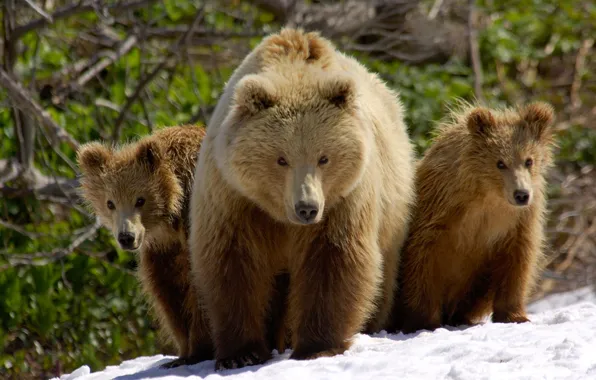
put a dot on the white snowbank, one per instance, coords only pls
(559, 343)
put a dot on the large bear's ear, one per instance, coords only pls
(539, 117)
(149, 153)
(93, 157)
(254, 94)
(341, 92)
(481, 121)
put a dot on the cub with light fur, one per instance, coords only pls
(307, 168)
(476, 237)
(141, 191)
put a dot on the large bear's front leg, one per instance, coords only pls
(235, 283)
(333, 286)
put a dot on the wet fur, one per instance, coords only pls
(471, 252)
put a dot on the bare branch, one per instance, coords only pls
(9, 170)
(124, 48)
(19, 229)
(152, 74)
(44, 258)
(25, 102)
(475, 51)
(434, 11)
(580, 62)
(40, 11)
(79, 7)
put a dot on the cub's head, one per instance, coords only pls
(131, 189)
(512, 149)
(294, 144)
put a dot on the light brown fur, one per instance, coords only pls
(323, 132)
(471, 249)
(158, 168)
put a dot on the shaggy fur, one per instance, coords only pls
(473, 248)
(307, 169)
(148, 185)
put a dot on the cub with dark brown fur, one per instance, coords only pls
(141, 191)
(477, 237)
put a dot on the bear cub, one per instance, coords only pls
(476, 238)
(141, 191)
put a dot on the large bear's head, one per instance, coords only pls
(510, 150)
(131, 189)
(294, 142)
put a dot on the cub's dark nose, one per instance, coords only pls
(126, 240)
(306, 212)
(521, 197)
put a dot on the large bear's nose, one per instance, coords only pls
(521, 197)
(306, 212)
(126, 240)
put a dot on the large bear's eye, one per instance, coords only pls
(501, 165)
(111, 205)
(323, 160)
(282, 161)
(140, 202)
(529, 163)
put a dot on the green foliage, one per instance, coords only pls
(88, 308)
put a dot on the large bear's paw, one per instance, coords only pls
(202, 354)
(251, 354)
(314, 351)
(510, 317)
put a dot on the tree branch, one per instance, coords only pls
(44, 258)
(475, 51)
(580, 62)
(40, 11)
(183, 40)
(80, 7)
(25, 102)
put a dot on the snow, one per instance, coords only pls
(559, 343)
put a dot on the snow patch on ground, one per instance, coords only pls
(559, 343)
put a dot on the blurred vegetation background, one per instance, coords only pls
(75, 71)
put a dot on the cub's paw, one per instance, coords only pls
(510, 318)
(315, 351)
(246, 357)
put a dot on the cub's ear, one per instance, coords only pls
(93, 157)
(340, 91)
(254, 94)
(149, 152)
(481, 121)
(539, 117)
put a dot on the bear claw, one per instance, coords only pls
(180, 362)
(510, 318)
(240, 361)
(306, 354)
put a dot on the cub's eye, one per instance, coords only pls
(501, 165)
(140, 202)
(111, 205)
(529, 162)
(323, 160)
(282, 161)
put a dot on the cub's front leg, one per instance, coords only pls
(235, 283)
(333, 286)
(515, 273)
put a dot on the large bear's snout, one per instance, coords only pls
(522, 197)
(126, 240)
(306, 212)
